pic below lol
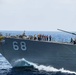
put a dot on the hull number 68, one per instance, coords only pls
(19, 46)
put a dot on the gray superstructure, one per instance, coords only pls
(58, 55)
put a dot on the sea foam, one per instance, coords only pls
(42, 67)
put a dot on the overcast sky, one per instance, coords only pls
(38, 15)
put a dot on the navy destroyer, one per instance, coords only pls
(58, 55)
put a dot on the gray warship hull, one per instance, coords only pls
(58, 55)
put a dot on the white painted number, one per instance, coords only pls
(17, 47)
(23, 45)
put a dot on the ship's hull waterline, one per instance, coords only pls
(57, 55)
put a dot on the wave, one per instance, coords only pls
(24, 62)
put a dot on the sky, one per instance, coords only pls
(38, 15)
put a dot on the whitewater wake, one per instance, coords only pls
(24, 62)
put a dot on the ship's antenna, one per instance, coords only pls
(66, 31)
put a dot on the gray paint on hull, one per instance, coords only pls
(46, 53)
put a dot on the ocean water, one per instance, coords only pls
(6, 68)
